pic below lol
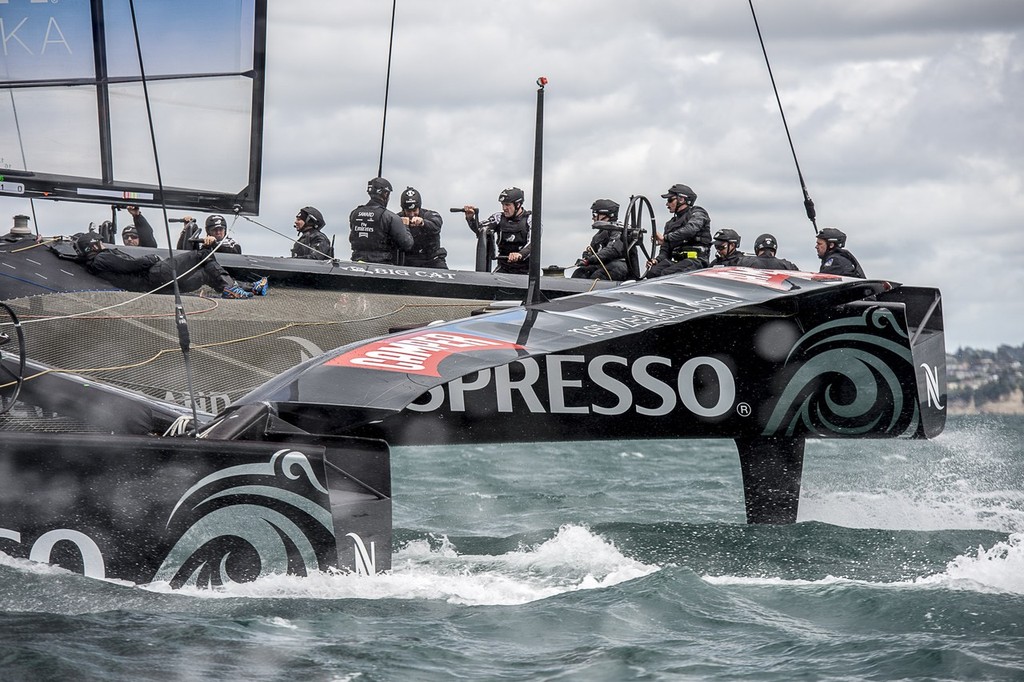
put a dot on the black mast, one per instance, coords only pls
(387, 89)
(808, 203)
(533, 292)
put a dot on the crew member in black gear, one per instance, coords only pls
(727, 248)
(425, 227)
(765, 247)
(217, 228)
(605, 257)
(143, 230)
(312, 244)
(830, 244)
(130, 236)
(509, 230)
(687, 235)
(194, 269)
(376, 233)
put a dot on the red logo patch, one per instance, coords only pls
(416, 353)
(773, 279)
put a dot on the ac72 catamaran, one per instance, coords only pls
(294, 475)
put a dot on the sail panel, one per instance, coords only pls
(57, 130)
(202, 129)
(75, 123)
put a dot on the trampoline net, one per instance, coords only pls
(130, 340)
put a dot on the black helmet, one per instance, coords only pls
(378, 187)
(216, 222)
(512, 195)
(727, 235)
(607, 207)
(313, 218)
(766, 242)
(411, 199)
(833, 235)
(86, 242)
(681, 190)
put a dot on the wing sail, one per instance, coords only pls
(73, 117)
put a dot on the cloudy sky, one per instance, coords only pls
(906, 117)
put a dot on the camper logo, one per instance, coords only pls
(416, 353)
(773, 279)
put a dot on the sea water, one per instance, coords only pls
(599, 561)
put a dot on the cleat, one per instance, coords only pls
(235, 292)
(260, 287)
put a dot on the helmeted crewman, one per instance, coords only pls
(830, 245)
(375, 233)
(312, 244)
(217, 228)
(509, 231)
(605, 256)
(727, 248)
(765, 248)
(425, 227)
(687, 235)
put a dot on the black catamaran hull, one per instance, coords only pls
(765, 358)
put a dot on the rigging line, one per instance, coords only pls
(387, 90)
(24, 160)
(179, 308)
(293, 240)
(808, 203)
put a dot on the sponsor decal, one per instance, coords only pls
(931, 380)
(574, 385)
(771, 279)
(418, 352)
(667, 312)
(93, 565)
(365, 561)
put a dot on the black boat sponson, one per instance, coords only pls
(765, 358)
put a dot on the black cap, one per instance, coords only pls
(727, 235)
(411, 199)
(312, 217)
(681, 190)
(607, 207)
(216, 221)
(130, 230)
(832, 234)
(378, 187)
(766, 241)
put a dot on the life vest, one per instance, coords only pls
(367, 230)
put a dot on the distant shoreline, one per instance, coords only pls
(1012, 403)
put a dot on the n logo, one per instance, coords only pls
(931, 379)
(366, 562)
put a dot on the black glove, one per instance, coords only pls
(580, 262)
(151, 259)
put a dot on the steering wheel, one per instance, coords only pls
(7, 401)
(632, 235)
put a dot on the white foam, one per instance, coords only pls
(964, 479)
(999, 569)
(575, 559)
(29, 566)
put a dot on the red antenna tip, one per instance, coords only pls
(542, 81)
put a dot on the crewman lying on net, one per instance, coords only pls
(194, 269)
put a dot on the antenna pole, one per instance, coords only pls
(808, 203)
(533, 292)
(387, 89)
(179, 309)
